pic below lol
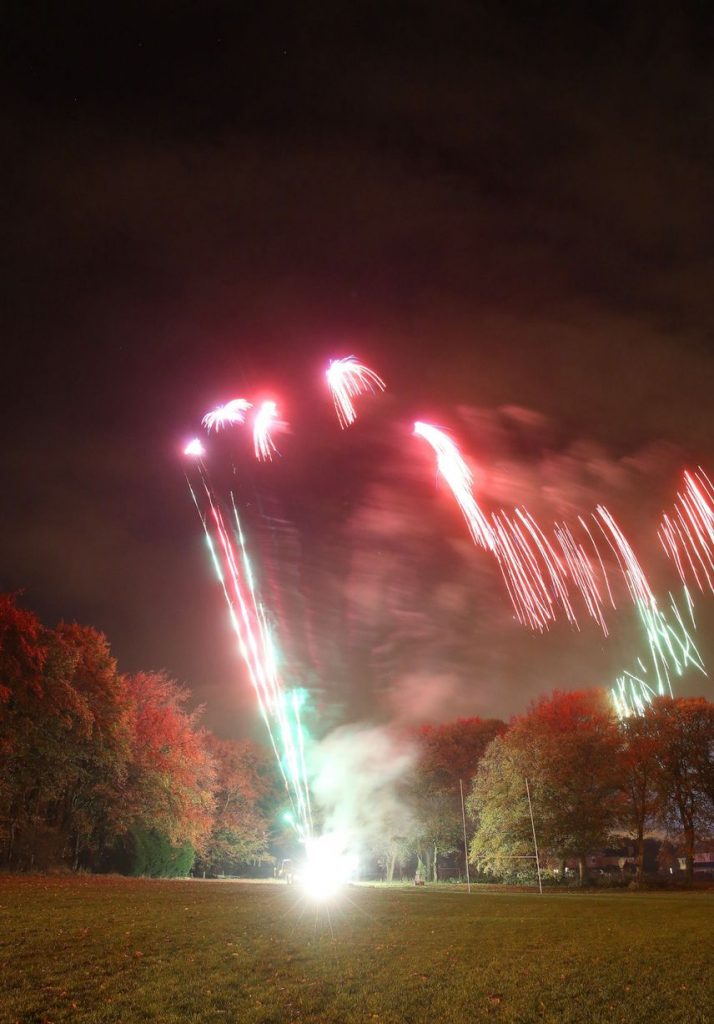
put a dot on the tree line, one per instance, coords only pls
(108, 771)
(593, 780)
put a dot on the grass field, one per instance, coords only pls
(120, 950)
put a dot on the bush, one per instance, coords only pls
(149, 853)
(612, 881)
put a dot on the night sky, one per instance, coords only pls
(509, 215)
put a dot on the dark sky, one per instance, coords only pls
(506, 209)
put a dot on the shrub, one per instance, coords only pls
(149, 853)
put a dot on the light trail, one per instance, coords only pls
(278, 707)
(264, 422)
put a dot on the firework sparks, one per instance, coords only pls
(195, 449)
(537, 576)
(458, 476)
(280, 709)
(348, 379)
(672, 650)
(264, 421)
(687, 536)
(224, 415)
(534, 573)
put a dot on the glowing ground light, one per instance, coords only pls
(348, 379)
(329, 866)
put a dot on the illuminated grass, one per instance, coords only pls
(120, 950)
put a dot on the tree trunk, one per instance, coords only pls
(429, 865)
(689, 855)
(75, 860)
(11, 844)
(391, 862)
(436, 863)
(640, 855)
(582, 869)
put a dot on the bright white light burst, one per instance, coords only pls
(223, 415)
(195, 448)
(329, 865)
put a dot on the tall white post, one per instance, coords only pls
(466, 849)
(535, 841)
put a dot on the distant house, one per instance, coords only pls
(660, 857)
(612, 860)
(703, 860)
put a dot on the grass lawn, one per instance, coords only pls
(122, 950)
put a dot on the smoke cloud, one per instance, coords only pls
(357, 774)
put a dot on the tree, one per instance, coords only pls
(447, 754)
(91, 807)
(497, 803)
(63, 733)
(171, 777)
(150, 854)
(391, 852)
(639, 772)
(23, 653)
(244, 785)
(703, 753)
(685, 737)
(567, 745)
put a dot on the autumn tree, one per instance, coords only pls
(65, 736)
(641, 804)
(567, 746)
(447, 754)
(244, 790)
(685, 738)
(91, 807)
(502, 843)
(171, 779)
(23, 653)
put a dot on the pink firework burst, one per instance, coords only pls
(226, 415)
(264, 422)
(348, 379)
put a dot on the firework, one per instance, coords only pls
(534, 572)
(280, 709)
(539, 573)
(671, 651)
(458, 476)
(228, 414)
(687, 536)
(264, 421)
(348, 379)
(525, 583)
(195, 448)
(329, 864)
